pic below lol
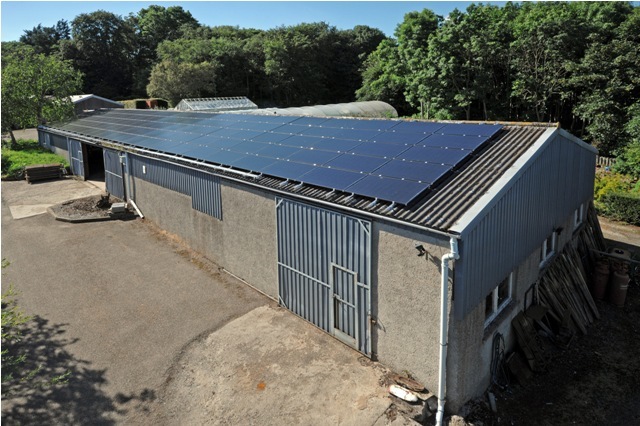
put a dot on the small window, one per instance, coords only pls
(498, 299)
(578, 217)
(548, 248)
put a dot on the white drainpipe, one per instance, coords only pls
(444, 327)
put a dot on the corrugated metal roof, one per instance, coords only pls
(80, 98)
(438, 210)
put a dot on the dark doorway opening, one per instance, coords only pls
(94, 163)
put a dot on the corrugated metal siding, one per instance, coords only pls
(113, 173)
(313, 246)
(75, 154)
(203, 188)
(58, 141)
(551, 188)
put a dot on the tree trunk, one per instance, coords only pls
(484, 107)
(14, 142)
(421, 109)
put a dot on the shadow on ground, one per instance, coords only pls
(79, 399)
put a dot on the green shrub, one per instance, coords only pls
(629, 160)
(624, 207)
(607, 183)
(27, 154)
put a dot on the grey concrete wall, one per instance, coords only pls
(250, 238)
(172, 211)
(406, 301)
(243, 242)
(471, 345)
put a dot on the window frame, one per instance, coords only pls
(578, 217)
(546, 252)
(497, 308)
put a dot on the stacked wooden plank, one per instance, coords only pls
(563, 287)
(42, 172)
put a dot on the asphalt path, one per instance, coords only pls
(114, 304)
(150, 332)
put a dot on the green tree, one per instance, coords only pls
(103, 50)
(629, 160)
(413, 36)
(607, 78)
(383, 77)
(152, 26)
(177, 80)
(549, 39)
(36, 89)
(46, 39)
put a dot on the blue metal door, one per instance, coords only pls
(113, 173)
(76, 158)
(324, 270)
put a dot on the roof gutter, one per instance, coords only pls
(168, 157)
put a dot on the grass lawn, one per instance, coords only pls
(27, 154)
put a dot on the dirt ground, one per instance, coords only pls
(85, 208)
(594, 381)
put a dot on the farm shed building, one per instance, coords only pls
(92, 102)
(216, 104)
(327, 216)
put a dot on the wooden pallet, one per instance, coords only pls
(42, 172)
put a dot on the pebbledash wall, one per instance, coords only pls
(240, 226)
(405, 288)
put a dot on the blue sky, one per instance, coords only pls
(18, 16)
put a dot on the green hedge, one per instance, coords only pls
(142, 103)
(624, 207)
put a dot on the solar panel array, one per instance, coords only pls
(390, 160)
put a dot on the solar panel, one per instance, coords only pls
(400, 191)
(314, 157)
(288, 169)
(248, 147)
(390, 160)
(434, 155)
(351, 123)
(417, 127)
(356, 163)
(308, 121)
(336, 145)
(325, 132)
(379, 149)
(357, 134)
(254, 163)
(329, 178)
(411, 170)
(301, 141)
(454, 141)
(271, 137)
(465, 129)
(215, 142)
(277, 151)
(400, 138)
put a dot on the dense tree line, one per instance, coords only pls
(165, 52)
(573, 63)
(570, 62)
